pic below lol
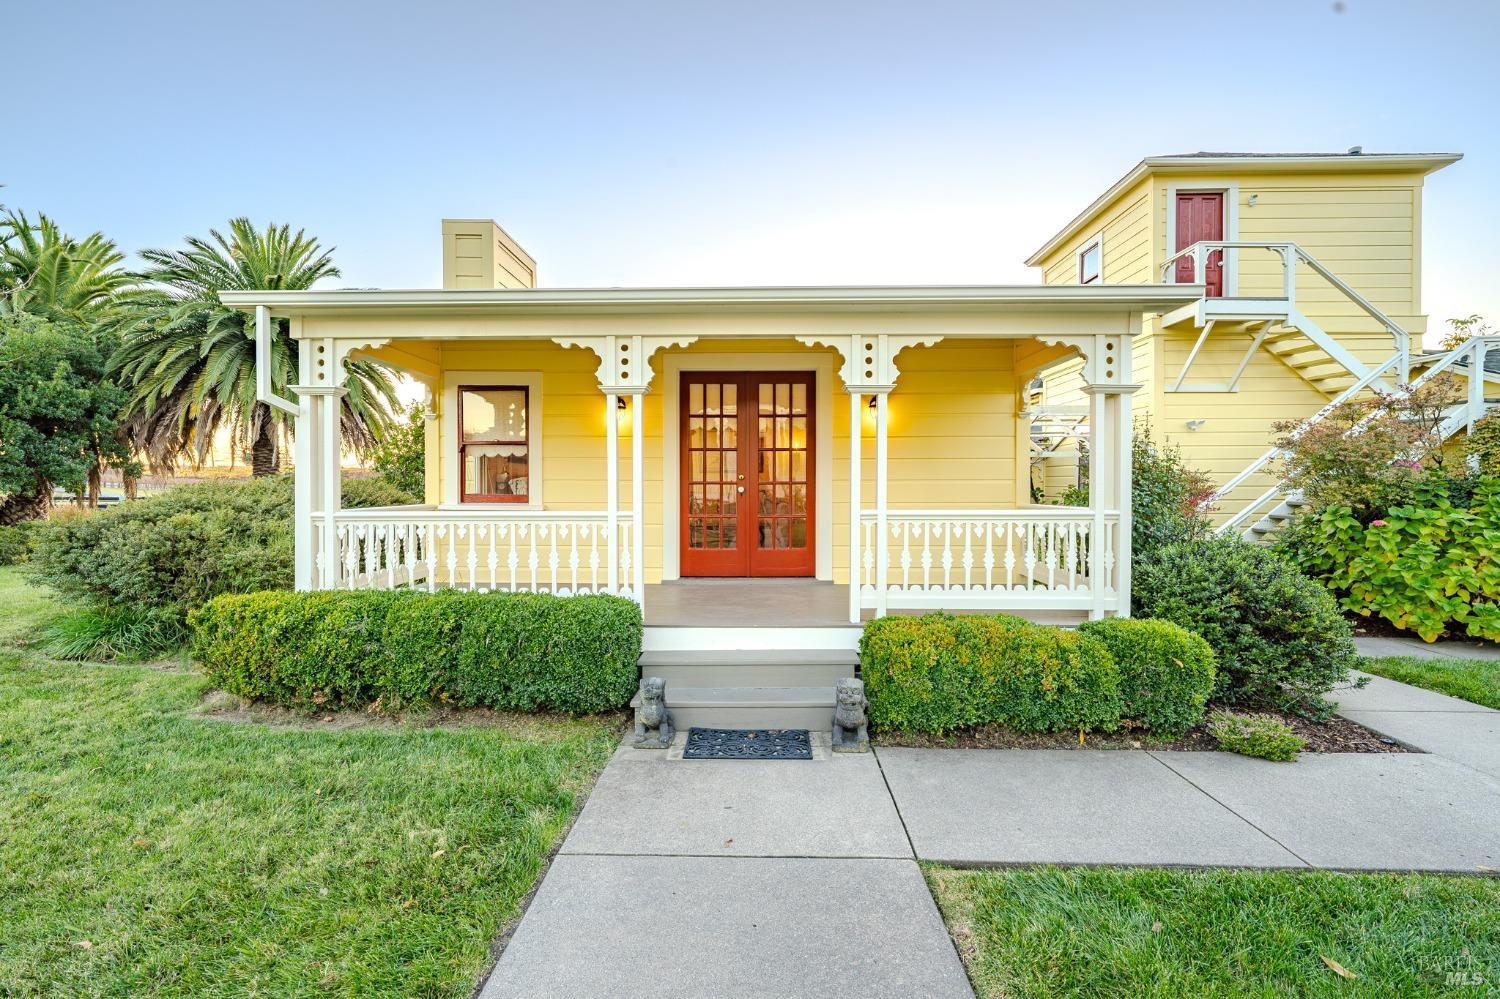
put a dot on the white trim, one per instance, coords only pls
(673, 364)
(1097, 239)
(603, 301)
(1231, 223)
(451, 500)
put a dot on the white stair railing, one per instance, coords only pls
(1462, 416)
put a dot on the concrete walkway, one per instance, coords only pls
(1418, 649)
(790, 879)
(1458, 730)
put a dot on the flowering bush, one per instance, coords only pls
(1429, 566)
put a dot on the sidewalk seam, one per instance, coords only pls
(1203, 791)
(895, 805)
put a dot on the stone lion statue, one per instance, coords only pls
(851, 729)
(653, 722)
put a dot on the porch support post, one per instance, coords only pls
(882, 542)
(1098, 436)
(612, 478)
(638, 497)
(856, 522)
(317, 486)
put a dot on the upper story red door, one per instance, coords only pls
(1200, 216)
(747, 474)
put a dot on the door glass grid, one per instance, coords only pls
(713, 465)
(781, 475)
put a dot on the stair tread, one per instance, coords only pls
(751, 658)
(747, 697)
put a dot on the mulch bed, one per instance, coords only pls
(1337, 735)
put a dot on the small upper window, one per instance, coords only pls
(1090, 261)
(494, 450)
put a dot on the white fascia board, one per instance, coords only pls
(1146, 298)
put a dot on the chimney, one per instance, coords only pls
(477, 253)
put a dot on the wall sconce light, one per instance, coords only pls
(1252, 200)
(1195, 424)
(620, 403)
(872, 404)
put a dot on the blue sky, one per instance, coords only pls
(703, 143)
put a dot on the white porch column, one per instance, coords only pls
(856, 525)
(612, 478)
(1124, 472)
(317, 485)
(1099, 435)
(882, 541)
(638, 497)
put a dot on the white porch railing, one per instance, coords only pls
(385, 548)
(1040, 558)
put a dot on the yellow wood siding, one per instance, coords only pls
(1126, 228)
(952, 428)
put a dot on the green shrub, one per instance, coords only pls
(1166, 672)
(344, 649)
(1263, 736)
(173, 551)
(15, 542)
(1428, 567)
(940, 672)
(1277, 636)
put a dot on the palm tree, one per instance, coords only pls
(189, 361)
(47, 273)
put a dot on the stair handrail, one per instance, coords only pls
(1474, 347)
(1403, 338)
(1238, 479)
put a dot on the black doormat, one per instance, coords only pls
(747, 744)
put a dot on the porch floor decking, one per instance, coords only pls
(775, 603)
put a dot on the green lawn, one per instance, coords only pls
(1476, 680)
(1137, 933)
(148, 848)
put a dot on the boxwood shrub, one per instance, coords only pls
(344, 649)
(1166, 672)
(941, 672)
(1278, 636)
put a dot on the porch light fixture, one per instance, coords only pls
(1195, 424)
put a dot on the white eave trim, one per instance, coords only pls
(1426, 162)
(520, 301)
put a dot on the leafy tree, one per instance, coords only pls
(191, 360)
(401, 457)
(57, 412)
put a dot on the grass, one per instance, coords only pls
(1476, 680)
(1160, 933)
(151, 849)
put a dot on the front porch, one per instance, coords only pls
(655, 436)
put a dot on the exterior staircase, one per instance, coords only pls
(1277, 325)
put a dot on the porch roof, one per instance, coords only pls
(740, 300)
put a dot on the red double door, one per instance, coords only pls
(1200, 216)
(747, 474)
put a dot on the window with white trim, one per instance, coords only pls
(494, 447)
(1091, 262)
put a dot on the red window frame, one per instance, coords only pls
(464, 496)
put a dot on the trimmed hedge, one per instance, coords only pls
(1166, 672)
(345, 649)
(941, 672)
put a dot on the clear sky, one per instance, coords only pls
(656, 143)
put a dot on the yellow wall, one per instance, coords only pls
(952, 428)
(1366, 228)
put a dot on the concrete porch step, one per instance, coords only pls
(756, 668)
(750, 707)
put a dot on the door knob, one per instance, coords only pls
(742, 490)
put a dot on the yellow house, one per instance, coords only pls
(764, 468)
(1312, 269)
